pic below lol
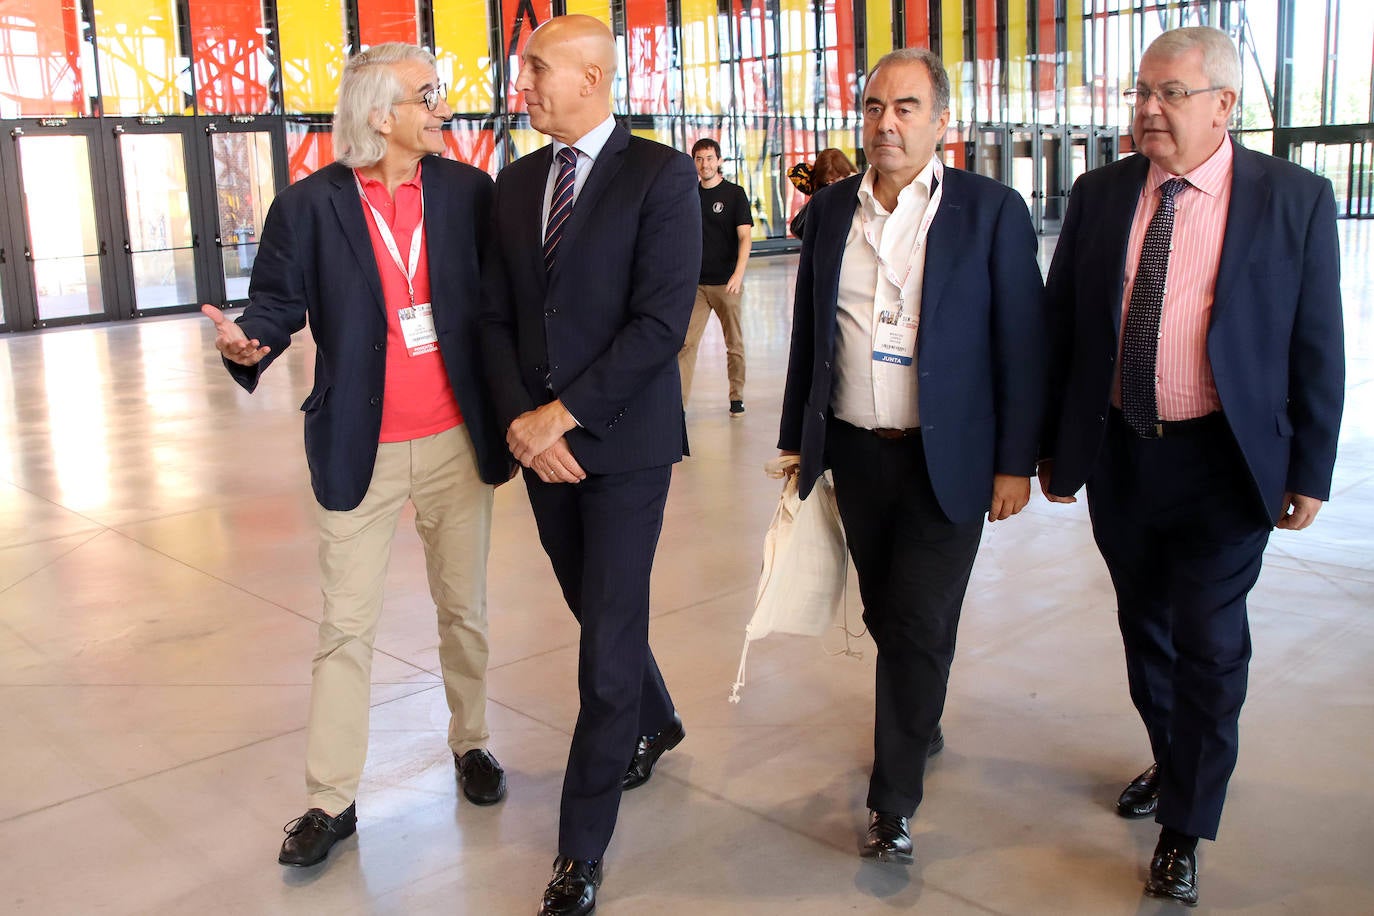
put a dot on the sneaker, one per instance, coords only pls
(736, 409)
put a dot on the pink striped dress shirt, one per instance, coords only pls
(1184, 387)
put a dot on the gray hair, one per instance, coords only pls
(939, 77)
(369, 89)
(1220, 61)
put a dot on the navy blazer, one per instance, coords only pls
(316, 261)
(1275, 338)
(603, 329)
(981, 343)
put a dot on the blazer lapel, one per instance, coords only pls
(604, 168)
(1114, 233)
(348, 207)
(436, 226)
(828, 255)
(1249, 199)
(944, 243)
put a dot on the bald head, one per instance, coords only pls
(566, 74)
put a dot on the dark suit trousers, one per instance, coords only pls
(913, 565)
(600, 536)
(1176, 523)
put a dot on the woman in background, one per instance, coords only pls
(831, 165)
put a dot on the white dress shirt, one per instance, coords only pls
(588, 148)
(882, 270)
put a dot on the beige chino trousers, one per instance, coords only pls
(438, 474)
(726, 305)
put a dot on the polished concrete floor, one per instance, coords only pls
(158, 605)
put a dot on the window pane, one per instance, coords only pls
(140, 72)
(40, 59)
(229, 55)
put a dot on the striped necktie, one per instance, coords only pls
(1140, 337)
(560, 207)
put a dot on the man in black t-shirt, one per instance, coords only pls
(726, 228)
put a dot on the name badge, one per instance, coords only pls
(417, 327)
(894, 338)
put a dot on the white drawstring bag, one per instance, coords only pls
(805, 565)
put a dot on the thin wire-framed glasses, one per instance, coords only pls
(430, 99)
(1167, 95)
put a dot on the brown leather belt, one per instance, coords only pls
(888, 433)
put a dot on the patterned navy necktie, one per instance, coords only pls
(1140, 337)
(560, 207)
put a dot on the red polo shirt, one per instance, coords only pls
(418, 399)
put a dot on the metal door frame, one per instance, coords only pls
(24, 308)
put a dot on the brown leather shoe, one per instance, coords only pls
(649, 749)
(1141, 797)
(572, 892)
(888, 840)
(1173, 875)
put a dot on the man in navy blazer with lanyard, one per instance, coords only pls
(917, 374)
(1200, 411)
(379, 251)
(593, 271)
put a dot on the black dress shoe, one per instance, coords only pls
(572, 892)
(310, 836)
(937, 741)
(480, 777)
(650, 748)
(1173, 875)
(1141, 797)
(888, 840)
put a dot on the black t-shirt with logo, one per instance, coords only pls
(724, 209)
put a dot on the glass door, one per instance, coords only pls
(1053, 188)
(247, 164)
(1025, 171)
(66, 232)
(161, 237)
(988, 150)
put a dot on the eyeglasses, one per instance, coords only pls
(1167, 95)
(431, 98)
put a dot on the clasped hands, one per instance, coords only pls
(536, 440)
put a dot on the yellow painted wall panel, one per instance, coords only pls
(461, 39)
(798, 48)
(312, 53)
(700, 52)
(138, 51)
(1074, 50)
(597, 9)
(1018, 62)
(952, 52)
(879, 31)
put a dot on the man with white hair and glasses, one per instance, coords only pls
(398, 411)
(1198, 386)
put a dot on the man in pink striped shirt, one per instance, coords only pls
(1198, 394)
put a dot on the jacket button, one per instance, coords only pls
(377, 347)
(375, 401)
(538, 369)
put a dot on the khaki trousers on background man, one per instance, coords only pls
(726, 305)
(438, 474)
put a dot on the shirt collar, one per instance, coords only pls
(1211, 178)
(372, 183)
(925, 179)
(592, 141)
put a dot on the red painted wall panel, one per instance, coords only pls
(387, 20)
(229, 55)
